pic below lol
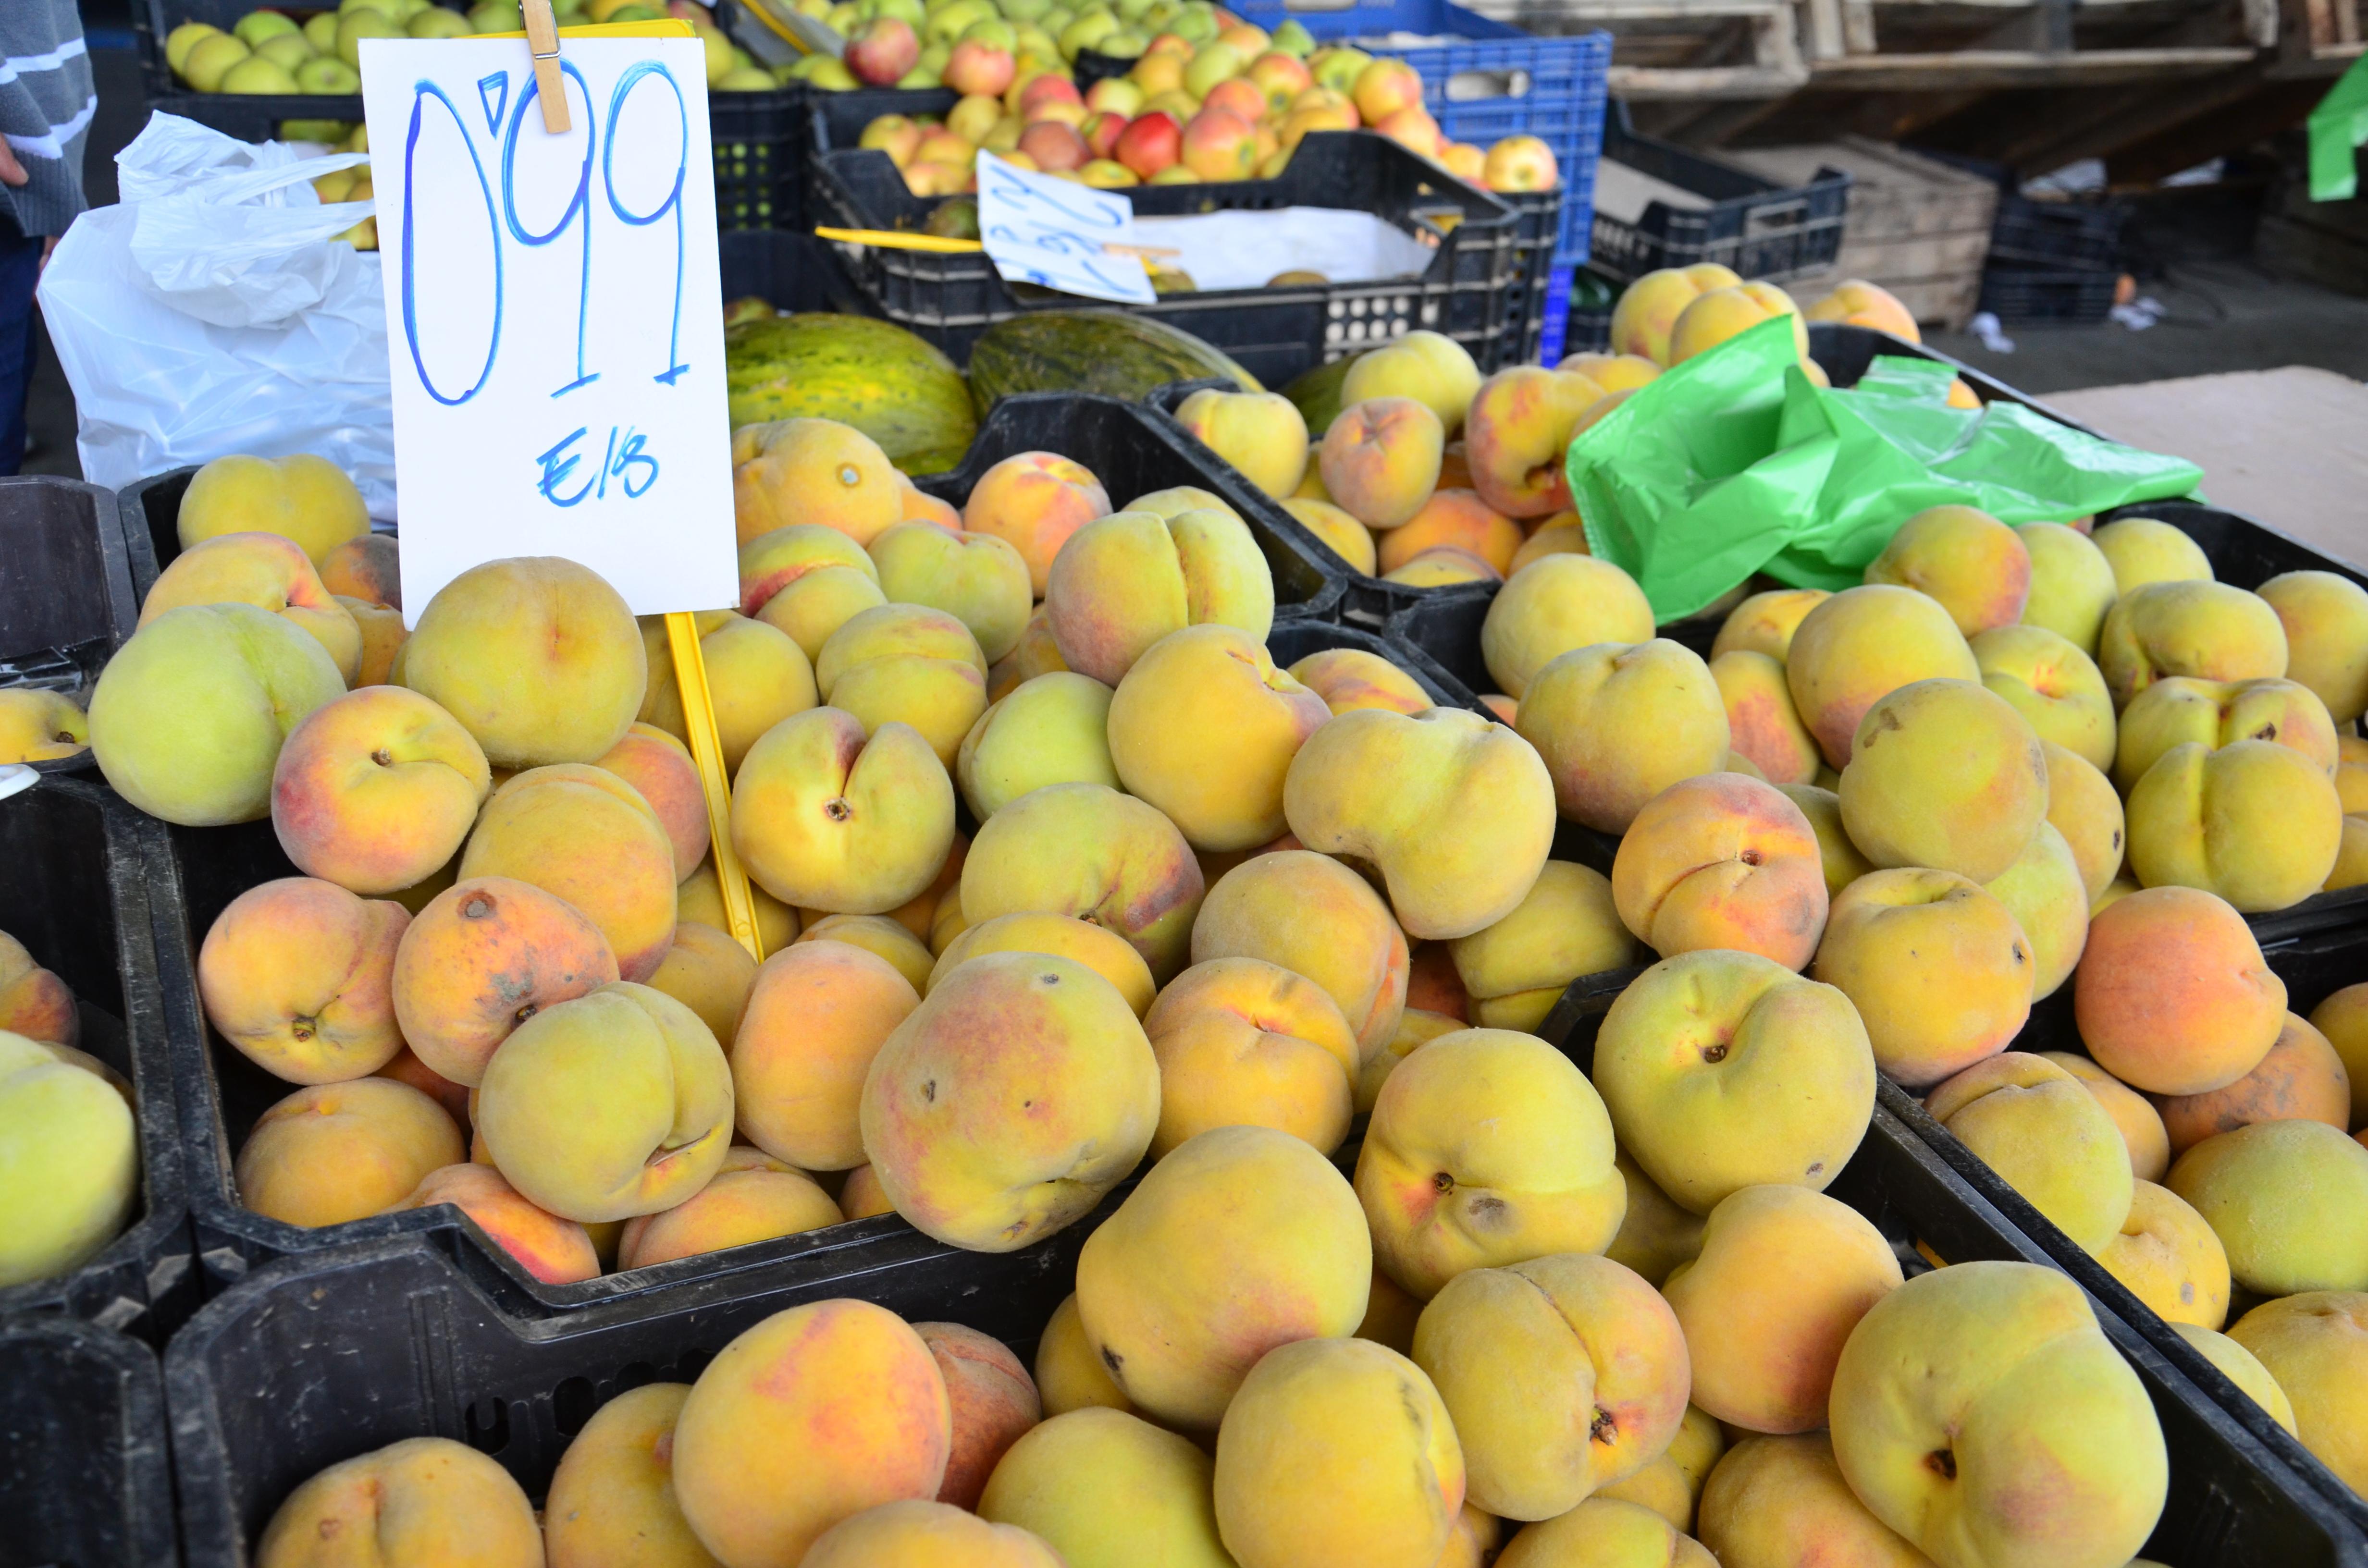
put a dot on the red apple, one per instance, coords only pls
(1220, 146)
(1519, 163)
(883, 51)
(1150, 144)
(1280, 77)
(1385, 86)
(976, 67)
(1412, 129)
(1102, 132)
(1054, 146)
(1046, 89)
(1238, 96)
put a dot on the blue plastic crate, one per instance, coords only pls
(1555, 87)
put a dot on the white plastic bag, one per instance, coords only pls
(215, 311)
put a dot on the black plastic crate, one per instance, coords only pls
(755, 136)
(84, 1479)
(2314, 965)
(2015, 293)
(1578, 314)
(75, 892)
(1750, 225)
(2076, 232)
(313, 1361)
(65, 590)
(1273, 333)
(2237, 1498)
(793, 272)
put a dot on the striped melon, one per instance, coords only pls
(874, 375)
(1114, 352)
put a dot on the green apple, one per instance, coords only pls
(287, 50)
(257, 25)
(209, 59)
(1292, 39)
(183, 39)
(328, 77)
(356, 26)
(496, 17)
(321, 32)
(438, 22)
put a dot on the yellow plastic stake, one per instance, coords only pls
(896, 239)
(699, 718)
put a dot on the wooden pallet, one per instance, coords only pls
(2318, 37)
(1678, 49)
(1918, 228)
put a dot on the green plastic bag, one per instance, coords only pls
(2338, 127)
(1735, 462)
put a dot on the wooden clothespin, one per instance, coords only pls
(542, 42)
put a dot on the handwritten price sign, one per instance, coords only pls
(555, 313)
(1040, 230)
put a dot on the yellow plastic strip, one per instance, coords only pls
(663, 26)
(890, 239)
(699, 718)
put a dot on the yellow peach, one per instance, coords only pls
(1108, 1489)
(1861, 645)
(1561, 1374)
(709, 973)
(556, 1250)
(751, 1197)
(421, 1501)
(1975, 565)
(2140, 1123)
(2283, 1197)
(1515, 970)
(2179, 709)
(1204, 727)
(1347, 678)
(2242, 1367)
(2054, 685)
(2046, 1137)
(2072, 584)
(2172, 995)
(1945, 774)
(1761, 720)
(979, 579)
(808, 581)
(2208, 630)
(2326, 621)
(1130, 579)
(1051, 1096)
(1720, 860)
(300, 497)
(2169, 1259)
(1781, 1502)
(1648, 309)
(1617, 724)
(1487, 1147)
(365, 567)
(2142, 550)
(1554, 606)
(1091, 852)
(1069, 1371)
(482, 958)
(339, 1152)
(793, 472)
(296, 974)
(2315, 1346)
(615, 1486)
(2043, 892)
(1380, 460)
(2342, 1018)
(376, 790)
(2082, 806)
(1337, 532)
(582, 834)
(1242, 1240)
(817, 1014)
(268, 571)
(1608, 1531)
(2254, 821)
(1313, 916)
(1764, 623)
(2301, 1079)
(1935, 965)
(906, 663)
(825, 818)
(1243, 1042)
(1840, 858)
(1034, 502)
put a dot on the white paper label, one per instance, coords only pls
(554, 315)
(1051, 231)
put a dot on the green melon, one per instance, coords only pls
(1114, 352)
(874, 375)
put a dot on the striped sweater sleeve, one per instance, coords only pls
(46, 103)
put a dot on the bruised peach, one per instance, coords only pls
(295, 973)
(384, 635)
(367, 567)
(1554, 606)
(556, 1250)
(1106, 953)
(1204, 727)
(813, 471)
(339, 1152)
(482, 957)
(1719, 860)
(1380, 460)
(1761, 720)
(812, 1416)
(1088, 851)
(1034, 501)
(1243, 1042)
(1975, 565)
(816, 1015)
(1854, 648)
(752, 1198)
(1069, 1371)
(2168, 1258)
(584, 836)
(2301, 1079)
(1050, 1095)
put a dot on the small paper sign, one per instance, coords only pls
(1053, 232)
(554, 315)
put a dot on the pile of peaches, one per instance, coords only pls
(1232, 109)
(1060, 880)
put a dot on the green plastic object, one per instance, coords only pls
(1735, 462)
(2338, 127)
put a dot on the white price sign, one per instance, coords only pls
(554, 315)
(1055, 233)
